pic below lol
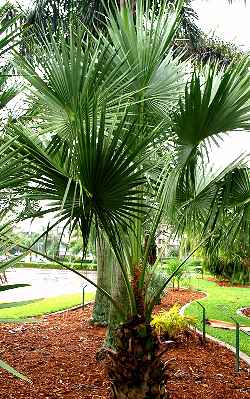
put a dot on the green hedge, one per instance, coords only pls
(43, 265)
(75, 259)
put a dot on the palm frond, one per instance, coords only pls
(10, 28)
(215, 102)
(145, 38)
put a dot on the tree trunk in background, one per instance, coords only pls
(104, 272)
(119, 293)
(132, 3)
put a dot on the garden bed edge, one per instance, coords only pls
(243, 355)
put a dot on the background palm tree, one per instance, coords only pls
(49, 15)
(220, 204)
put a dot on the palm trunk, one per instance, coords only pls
(135, 369)
(122, 3)
(120, 295)
(102, 304)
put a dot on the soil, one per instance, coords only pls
(58, 355)
(246, 312)
(181, 297)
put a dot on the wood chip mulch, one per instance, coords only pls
(58, 355)
(246, 312)
(227, 283)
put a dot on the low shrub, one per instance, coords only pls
(171, 323)
(171, 263)
(185, 272)
(193, 264)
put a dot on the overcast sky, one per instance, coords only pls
(232, 22)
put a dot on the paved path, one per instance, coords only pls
(45, 283)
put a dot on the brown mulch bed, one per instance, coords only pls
(226, 283)
(246, 312)
(181, 297)
(58, 354)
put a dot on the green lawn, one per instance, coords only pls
(44, 306)
(222, 304)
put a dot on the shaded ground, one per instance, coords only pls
(58, 354)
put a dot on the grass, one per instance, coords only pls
(222, 303)
(45, 306)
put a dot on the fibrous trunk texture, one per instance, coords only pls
(104, 265)
(120, 295)
(134, 368)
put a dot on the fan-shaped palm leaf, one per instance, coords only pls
(215, 101)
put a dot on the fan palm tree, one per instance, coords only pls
(52, 15)
(107, 107)
(224, 204)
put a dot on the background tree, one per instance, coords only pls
(104, 258)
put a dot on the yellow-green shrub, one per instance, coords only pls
(171, 323)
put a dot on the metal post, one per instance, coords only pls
(83, 295)
(237, 345)
(203, 322)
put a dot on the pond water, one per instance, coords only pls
(45, 283)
